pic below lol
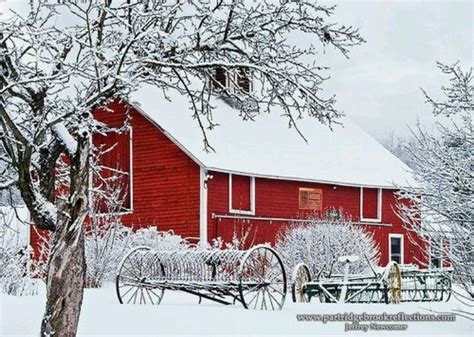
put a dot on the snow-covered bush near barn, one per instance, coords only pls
(157, 240)
(104, 248)
(241, 239)
(106, 243)
(15, 274)
(320, 242)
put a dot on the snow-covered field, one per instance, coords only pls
(181, 315)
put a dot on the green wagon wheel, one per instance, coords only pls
(134, 281)
(301, 276)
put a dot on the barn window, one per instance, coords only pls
(241, 194)
(371, 204)
(238, 79)
(243, 80)
(112, 181)
(437, 248)
(311, 199)
(395, 247)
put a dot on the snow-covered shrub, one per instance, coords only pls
(319, 244)
(105, 245)
(106, 239)
(157, 240)
(15, 274)
(240, 240)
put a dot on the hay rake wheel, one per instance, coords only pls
(393, 281)
(300, 277)
(137, 271)
(262, 280)
(256, 278)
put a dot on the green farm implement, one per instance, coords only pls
(393, 284)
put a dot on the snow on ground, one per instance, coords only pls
(180, 315)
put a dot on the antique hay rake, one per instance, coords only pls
(256, 277)
(425, 285)
(394, 284)
(371, 288)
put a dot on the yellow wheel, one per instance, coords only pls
(300, 277)
(394, 283)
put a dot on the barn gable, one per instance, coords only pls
(165, 185)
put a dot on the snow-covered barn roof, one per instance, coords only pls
(266, 147)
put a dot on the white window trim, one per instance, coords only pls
(129, 211)
(252, 198)
(203, 205)
(379, 206)
(402, 245)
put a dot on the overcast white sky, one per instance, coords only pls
(379, 86)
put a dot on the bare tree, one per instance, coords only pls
(61, 61)
(440, 208)
(401, 147)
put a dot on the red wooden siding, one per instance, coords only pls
(241, 193)
(280, 199)
(370, 197)
(165, 179)
(114, 158)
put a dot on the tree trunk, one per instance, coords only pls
(65, 283)
(67, 266)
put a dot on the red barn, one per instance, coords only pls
(262, 174)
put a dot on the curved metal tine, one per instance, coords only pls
(207, 268)
(177, 263)
(275, 268)
(249, 272)
(252, 265)
(215, 272)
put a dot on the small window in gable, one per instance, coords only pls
(232, 79)
(241, 194)
(243, 80)
(220, 78)
(112, 181)
(311, 199)
(370, 204)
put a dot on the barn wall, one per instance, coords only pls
(165, 179)
(279, 199)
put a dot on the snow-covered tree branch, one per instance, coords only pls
(61, 61)
(440, 209)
